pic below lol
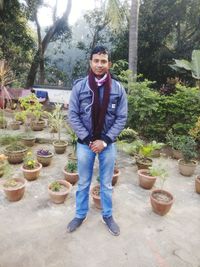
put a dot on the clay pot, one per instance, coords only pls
(15, 156)
(141, 164)
(15, 193)
(187, 169)
(95, 193)
(28, 141)
(161, 201)
(15, 125)
(45, 160)
(60, 148)
(2, 167)
(115, 176)
(197, 184)
(32, 174)
(145, 180)
(72, 178)
(60, 196)
(38, 125)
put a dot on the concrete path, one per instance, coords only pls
(33, 230)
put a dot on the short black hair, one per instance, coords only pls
(100, 50)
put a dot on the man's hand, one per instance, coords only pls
(97, 146)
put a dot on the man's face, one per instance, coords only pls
(100, 64)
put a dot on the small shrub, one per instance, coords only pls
(71, 166)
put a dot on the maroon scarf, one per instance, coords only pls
(99, 110)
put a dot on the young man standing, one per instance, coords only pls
(97, 114)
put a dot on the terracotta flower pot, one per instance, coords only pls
(60, 196)
(197, 184)
(161, 201)
(31, 174)
(45, 160)
(2, 167)
(72, 178)
(141, 164)
(95, 193)
(145, 180)
(115, 176)
(15, 156)
(38, 125)
(15, 193)
(187, 168)
(15, 125)
(60, 148)
(28, 141)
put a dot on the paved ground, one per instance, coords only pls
(33, 230)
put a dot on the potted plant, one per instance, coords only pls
(15, 153)
(116, 174)
(161, 200)
(3, 122)
(147, 177)
(32, 108)
(44, 156)
(142, 156)
(14, 188)
(156, 148)
(58, 191)
(197, 184)
(73, 142)
(3, 163)
(15, 125)
(31, 167)
(187, 164)
(70, 172)
(56, 120)
(175, 141)
(95, 193)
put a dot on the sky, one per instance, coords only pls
(78, 6)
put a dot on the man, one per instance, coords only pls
(97, 114)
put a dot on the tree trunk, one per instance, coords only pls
(133, 37)
(55, 28)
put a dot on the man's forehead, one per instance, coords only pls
(100, 55)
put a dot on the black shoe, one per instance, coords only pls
(112, 226)
(74, 224)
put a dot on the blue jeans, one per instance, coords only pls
(86, 158)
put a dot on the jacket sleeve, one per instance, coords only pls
(121, 117)
(74, 114)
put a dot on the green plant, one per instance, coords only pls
(9, 139)
(192, 66)
(55, 186)
(195, 131)
(73, 137)
(56, 119)
(71, 166)
(128, 135)
(159, 173)
(29, 161)
(130, 148)
(156, 145)
(188, 148)
(175, 141)
(11, 183)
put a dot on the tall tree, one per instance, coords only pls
(59, 26)
(17, 41)
(133, 37)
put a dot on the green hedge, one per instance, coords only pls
(152, 114)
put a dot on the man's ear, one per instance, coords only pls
(109, 64)
(90, 63)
